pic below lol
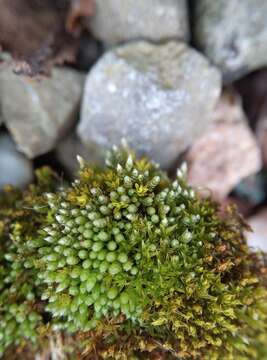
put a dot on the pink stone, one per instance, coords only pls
(226, 153)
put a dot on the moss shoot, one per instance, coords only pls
(125, 263)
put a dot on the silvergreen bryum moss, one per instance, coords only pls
(132, 264)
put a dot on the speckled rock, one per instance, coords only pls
(15, 169)
(158, 97)
(69, 148)
(233, 34)
(38, 112)
(228, 151)
(117, 21)
(258, 238)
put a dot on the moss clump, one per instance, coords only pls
(133, 263)
(20, 308)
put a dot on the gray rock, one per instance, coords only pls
(15, 169)
(38, 112)
(117, 21)
(67, 152)
(233, 34)
(158, 97)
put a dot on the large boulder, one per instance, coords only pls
(158, 97)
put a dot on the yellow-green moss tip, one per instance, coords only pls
(130, 263)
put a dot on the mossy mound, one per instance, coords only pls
(131, 264)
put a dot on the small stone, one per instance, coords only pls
(151, 95)
(233, 34)
(38, 112)
(89, 51)
(226, 153)
(258, 238)
(15, 169)
(117, 21)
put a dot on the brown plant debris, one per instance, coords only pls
(41, 33)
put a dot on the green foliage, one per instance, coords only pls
(20, 313)
(132, 263)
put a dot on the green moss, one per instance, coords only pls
(20, 309)
(132, 264)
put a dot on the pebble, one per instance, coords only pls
(38, 112)
(227, 153)
(233, 34)
(117, 21)
(89, 51)
(15, 168)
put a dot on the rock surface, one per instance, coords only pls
(39, 112)
(158, 97)
(228, 151)
(258, 238)
(116, 21)
(67, 152)
(15, 169)
(233, 34)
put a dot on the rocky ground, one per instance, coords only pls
(178, 80)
